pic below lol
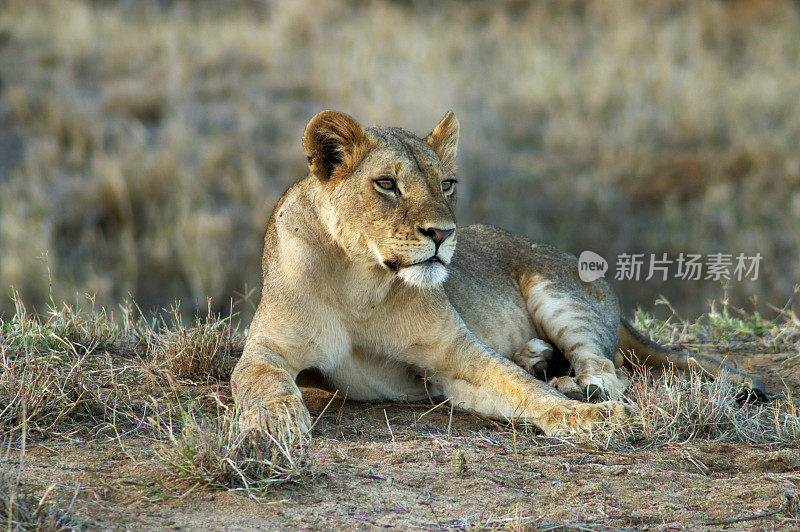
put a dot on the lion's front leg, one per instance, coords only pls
(481, 380)
(267, 398)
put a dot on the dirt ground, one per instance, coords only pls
(407, 467)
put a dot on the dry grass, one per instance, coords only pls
(58, 378)
(211, 451)
(679, 409)
(143, 144)
(22, 512)
(79, 376)
(683, 408)
(201, 352)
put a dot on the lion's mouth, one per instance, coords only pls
(396, 265)
(432, 260)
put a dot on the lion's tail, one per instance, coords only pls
(639, 350)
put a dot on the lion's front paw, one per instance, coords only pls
(284, 419)
(578, 418)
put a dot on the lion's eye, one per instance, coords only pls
(386, 183)
(448, 185)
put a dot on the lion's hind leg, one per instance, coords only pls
(582, 321)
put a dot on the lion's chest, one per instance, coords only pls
(363, 360)
(339, 337)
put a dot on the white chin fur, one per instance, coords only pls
(425, 275)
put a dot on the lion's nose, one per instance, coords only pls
(437, 235)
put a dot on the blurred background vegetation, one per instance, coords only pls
(143, 144)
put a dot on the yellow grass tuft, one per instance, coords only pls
(209, 450)
(21, 511)
(201, 352)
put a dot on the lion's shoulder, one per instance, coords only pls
(291, 211)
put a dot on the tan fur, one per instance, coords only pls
(363, 281)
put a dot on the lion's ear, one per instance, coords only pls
(444, 140)
(334, 144)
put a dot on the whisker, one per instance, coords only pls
(384, 238)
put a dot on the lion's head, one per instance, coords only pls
(387, 197)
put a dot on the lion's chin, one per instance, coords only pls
(426, 275)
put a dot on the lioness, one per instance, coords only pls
(362, 280)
